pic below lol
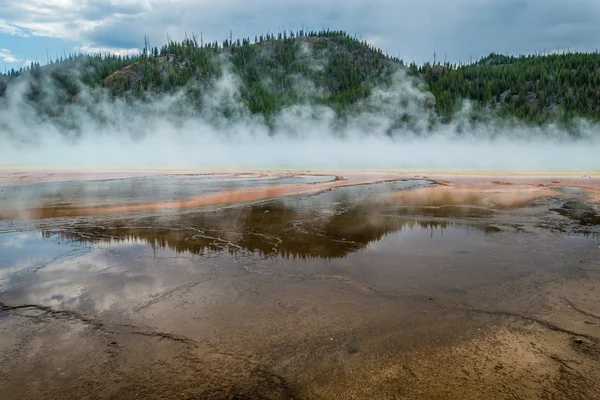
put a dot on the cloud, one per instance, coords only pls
(91, 49)
(15, 241)
(7, 56)
(128, 36)
(413, 29)
(11, 29)
(374, 40)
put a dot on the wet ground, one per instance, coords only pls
(290, 286)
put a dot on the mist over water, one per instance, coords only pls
(100, 131)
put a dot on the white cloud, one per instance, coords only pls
(16, 241)
(49, 18)
(91, 49)
(374, 40)
(7, 56)
(11, 29)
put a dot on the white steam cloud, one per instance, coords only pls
(101, 131)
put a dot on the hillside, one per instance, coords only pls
(321, 68)
(325, 67)
(532, 88)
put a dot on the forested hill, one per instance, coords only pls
(327, 68)
(532, 88)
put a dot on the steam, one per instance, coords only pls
(395, 128)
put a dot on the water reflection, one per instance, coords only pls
(271, 229)
(22, 253)
(105, 268)
(126, 267)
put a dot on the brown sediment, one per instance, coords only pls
(460, 196)
(590, 183)
(486, 367)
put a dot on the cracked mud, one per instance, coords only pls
(291, 286)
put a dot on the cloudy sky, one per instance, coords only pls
(411, 29)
